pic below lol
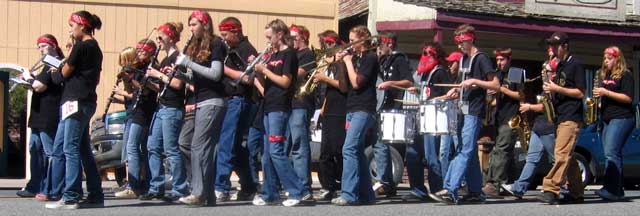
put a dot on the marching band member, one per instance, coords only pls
(138, 120)
(431, 69)
(362, 69)
(167, 119)
(80, 76)
(567, 90)
(333, 118)
(188, 124)
(394, 71)
(276, 83)
(46, 179)
(298, 136)
(616, 95)
(238, 117)
(449, 143)
(204, 57)
(508, 99)
(541, 143)
(466, 163)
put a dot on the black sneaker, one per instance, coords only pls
(412, 196)
(150, 196)
(170, 197)
(243, 196)
(308, 198)
(548, 197)
(444, 196)
(571, 200)
(326, 195)
(473, 198)
(92, 203)
(25, 193)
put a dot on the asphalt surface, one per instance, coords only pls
(12, 205)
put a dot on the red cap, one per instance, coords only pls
(454, 57)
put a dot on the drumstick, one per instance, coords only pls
(446, 85)
(398, 87)
(407, 103)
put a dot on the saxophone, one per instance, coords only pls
(520, 123)
(593, 103)
(545, 98)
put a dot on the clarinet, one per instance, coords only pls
(106, 109)
(143, 84)
(174, 72)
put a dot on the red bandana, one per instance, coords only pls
(464, 37)
(51, 42)
(427, 63)
(229, 26)
(166, 30)
(502, 54)
(297, 30)
(201, 16)
(145, 47)
(80, 20)
(386, 40)
(612, 52)
(330, 39)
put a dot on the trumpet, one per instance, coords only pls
(249, 70)
(310, 85)
(593, 103)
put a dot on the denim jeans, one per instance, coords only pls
(539, 145)
(448, 145)
(163, 138)
(434, 166)
(40, 149)
(466, 165)
(275, 161)
(382, 157)
(230, 152)
(614, 136)
(356, 180)
(74, 133)
(255, 143)
(297, 143)
(137, 157)
(414, 155)
(56, 169)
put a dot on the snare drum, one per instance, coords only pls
(438, 117)
(410, 101)
(397, 126)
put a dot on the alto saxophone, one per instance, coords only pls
(591, 111)
(520, 123)
(545, 98)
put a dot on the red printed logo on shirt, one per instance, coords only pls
(276, 63)
(346, 125)
(609, 82)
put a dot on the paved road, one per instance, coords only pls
(11, 205)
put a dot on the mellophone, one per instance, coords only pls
(418, 116)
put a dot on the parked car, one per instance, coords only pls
(107, 143)
(590, 154)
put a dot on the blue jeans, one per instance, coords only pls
(414, 155)
(447, 149)
(163, 137)
(231, 153)
(539, 145)
(356, 180)
(56, 169)
(137, 156)
(40, 149)
(382, 157)
(275, 161)
(614, 136)
(298, 144)
(74, 133)
(255, 143)
(466, 165)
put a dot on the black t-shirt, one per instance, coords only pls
(278, 99)
(172, 97)
(305, 56)
(507, 107)
(336, 101)
(206, 88)
(45, 109)
(440, 76)
(394, 67)
(481, 67)
(364, 98)
(612, 109)
(542, 126)
(146, 106)
(570, 75)
(86, 57)
(237, 60)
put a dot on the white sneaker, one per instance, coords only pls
(258, 201)
(61, 204)
(126, 194)
(291, 202)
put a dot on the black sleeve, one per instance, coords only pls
(218, 50)
(290, 66)
(368, 66)
(485, 65)
(305, 59)
(626, 85)
(402, 67)
(578, 76)
(44, 77)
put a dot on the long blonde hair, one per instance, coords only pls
(278, 25)
(618, 69)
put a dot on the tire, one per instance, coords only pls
(397, 164)
(585, 170)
